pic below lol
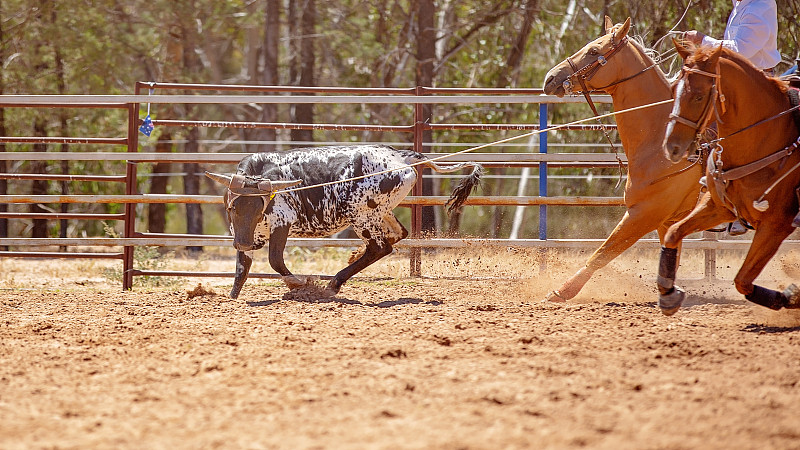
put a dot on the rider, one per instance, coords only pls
(752, 31)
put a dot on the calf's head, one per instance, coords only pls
(246, 201)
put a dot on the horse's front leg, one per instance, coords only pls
(634, 224)
(705, 215)
(766, 241)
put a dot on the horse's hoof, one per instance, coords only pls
(671, 303)
(792, 294)
(555, 296)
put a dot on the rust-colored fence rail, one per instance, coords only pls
(416, 96)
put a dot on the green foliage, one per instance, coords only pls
(146, 259)
(105, 46)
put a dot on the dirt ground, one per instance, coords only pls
(466, 357)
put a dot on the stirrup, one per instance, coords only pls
(736, 228)
(796, 221)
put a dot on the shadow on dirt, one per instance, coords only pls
(303, 298)
(764, 329)
(263, 303)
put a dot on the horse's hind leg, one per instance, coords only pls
(766, 241)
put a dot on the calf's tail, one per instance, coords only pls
(465, 187)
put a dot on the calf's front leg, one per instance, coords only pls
(243, 263)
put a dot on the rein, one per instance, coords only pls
(585, 74)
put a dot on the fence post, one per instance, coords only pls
(543, 170)
(416, 210)
(130, 189)
(543, 185)
(710, 257)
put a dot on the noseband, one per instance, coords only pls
(711, 104)
(588, 71)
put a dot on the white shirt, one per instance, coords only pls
(752, 31)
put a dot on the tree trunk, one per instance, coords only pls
(3, 167)
(191, 186)
(510, 73)
(508, 77)
(191, 181)
(157, 212)
(270, 76)
(39, 187)
(426, 55)
(304, 112)
(62, 90)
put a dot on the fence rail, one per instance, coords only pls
(416, 97)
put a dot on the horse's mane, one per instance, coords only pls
(704, 52)
(653, 55)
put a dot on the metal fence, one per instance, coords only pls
(417, 97)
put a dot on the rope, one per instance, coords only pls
(502, 141)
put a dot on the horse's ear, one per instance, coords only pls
(608, 24)
(623, 30)
(713, 58)
(683, 51)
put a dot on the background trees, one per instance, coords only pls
(105, 46)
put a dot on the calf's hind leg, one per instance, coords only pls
(379, 236)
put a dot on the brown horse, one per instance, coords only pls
(752, 173)
(617, 65)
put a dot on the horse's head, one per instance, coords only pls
(592, 67)
(696, 93)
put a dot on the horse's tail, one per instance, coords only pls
(464, 188)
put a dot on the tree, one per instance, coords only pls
(3, 166)
(305, 72)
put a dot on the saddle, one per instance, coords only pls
(793, 80)
(794, 100)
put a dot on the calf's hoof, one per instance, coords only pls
(293, 282)
(792, 294)
(670, 303)
(332, 289)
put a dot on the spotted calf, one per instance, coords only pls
(259, 213)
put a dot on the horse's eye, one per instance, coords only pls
(593, 52)
(698, 98)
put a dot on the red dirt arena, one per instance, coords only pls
(467, 356)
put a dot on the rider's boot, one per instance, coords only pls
(736, 228)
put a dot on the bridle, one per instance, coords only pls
(710, 106)
(585, 74)
(716, 170)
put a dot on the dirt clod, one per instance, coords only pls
(199, 291)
